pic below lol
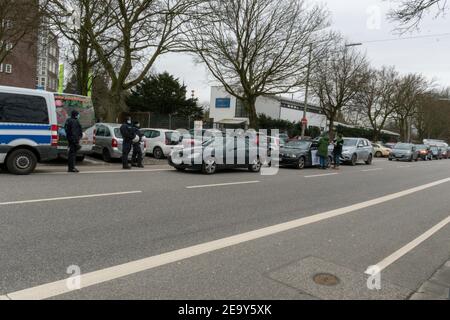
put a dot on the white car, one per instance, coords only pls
(161, 142)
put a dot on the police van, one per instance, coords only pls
(28, 129)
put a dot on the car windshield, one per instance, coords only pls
(298, 144)
(350, 142)
(402, 146)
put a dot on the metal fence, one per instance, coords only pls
(164, 121)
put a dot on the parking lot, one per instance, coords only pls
(156, 233)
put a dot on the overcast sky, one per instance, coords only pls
(360, 21)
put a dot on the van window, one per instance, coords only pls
(19, 108)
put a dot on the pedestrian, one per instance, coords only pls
(337, 151)
(74, 133)
(128, 135)
(137, 157)
(322, 151)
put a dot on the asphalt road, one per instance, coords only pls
(162, 234)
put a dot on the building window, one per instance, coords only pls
(8, 68)
(240, 109)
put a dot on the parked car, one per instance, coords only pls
(436, 152)
(405, 152)
(357, 149)
(109, 141)
(444, 152)
(219, 153)
(301, 154)
(424, 152)
(380, 150)
(161, 142)
(28, 129)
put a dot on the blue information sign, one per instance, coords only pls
(223, 103)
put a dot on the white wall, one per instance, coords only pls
(269, 107)
(219, 114)
(314, 119)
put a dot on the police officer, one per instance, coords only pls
(128, 135)
(74, 133)
(137, 157)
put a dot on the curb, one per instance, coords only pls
(437, 287)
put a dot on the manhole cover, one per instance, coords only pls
(326, 279)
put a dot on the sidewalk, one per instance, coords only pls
(437, 287)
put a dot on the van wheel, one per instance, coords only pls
(106, 156)
(21, 162)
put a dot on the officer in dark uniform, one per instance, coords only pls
(128, 135)
(74, 133)
(137, 157)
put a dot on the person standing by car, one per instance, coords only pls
(128, 135)
(74, 133)
(322, 150)
(337, 151)
(137, 157)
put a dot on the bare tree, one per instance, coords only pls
(406, 100)
(256, 47)
(128, 37)
(66, 18)
(433, 116)
(411, 12)
(375, 98)
(336, 80)
(19, 20)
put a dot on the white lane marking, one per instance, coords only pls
(410, 246)
(69, 198)
(400, 167)
(108, 171)
(100, 276)
(222, 184)
(321, 175)
(370, 170)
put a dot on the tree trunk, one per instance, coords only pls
(331, 127)
(116, 105)
(250, 107)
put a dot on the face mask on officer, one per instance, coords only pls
(138, 125)
(129, 121)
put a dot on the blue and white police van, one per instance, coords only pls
(28, 129)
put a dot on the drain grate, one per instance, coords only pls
(326, 279)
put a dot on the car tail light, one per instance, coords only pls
(114, 143)
(54, 133)
(145, 144)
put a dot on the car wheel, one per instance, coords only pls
(329, 162)
(255, 166)
(106, 155)
(181, 169)
(158, 153)
(410, 159)
(354, 160)
(3, 167)
(21, 162)
(80, 158)
(378, 154)
(209, 166)
(369, 160)
(301, 163)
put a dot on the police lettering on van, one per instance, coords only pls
(28, 129)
